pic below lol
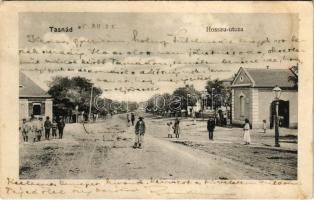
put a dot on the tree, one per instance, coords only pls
(185, 96)
(294, 78)
(219, 93)
(70, 92)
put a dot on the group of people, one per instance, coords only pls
(130, 121)
(211, 123)
(34, 128)
(174, 129)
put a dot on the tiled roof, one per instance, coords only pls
(29, 88)
(271, 77)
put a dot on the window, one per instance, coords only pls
(242, 105)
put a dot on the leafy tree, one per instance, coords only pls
(294, 78)
(71, 92)
(186, 96)
(218, 92)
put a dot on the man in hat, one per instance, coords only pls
(139, 133)
(47, 126)
(211, 126)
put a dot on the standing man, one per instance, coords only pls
(61, 125)
(25, 129)
(47, 126)
(139, 133)
(132, 118)
(176, 128)
(39, 128)
(32, 128)
(210, 127)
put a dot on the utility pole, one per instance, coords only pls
(90, 104)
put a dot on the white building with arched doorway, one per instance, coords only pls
(252, 97)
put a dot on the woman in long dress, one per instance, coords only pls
(246, 129)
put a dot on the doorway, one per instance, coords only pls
(36, 109)
(283, 112)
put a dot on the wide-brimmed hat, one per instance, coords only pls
(140, 118)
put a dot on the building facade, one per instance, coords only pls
(253, 98)
(33, 99)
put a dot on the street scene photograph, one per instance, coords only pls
(208, 96)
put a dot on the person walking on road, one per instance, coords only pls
(47, 126)
(210, 127)
(61, 125)
(132, 118)
(176, 128)
(246, 135)
(139, 133)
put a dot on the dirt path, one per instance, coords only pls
(105, 151)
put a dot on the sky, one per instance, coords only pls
(154, 27)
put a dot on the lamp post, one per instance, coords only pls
(76, 113)
(277, 93)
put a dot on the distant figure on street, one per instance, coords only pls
(25, 129)
(176, 128)
(47, 126)
(210, 127)
(54, 129)
(194, 117)
(264, 125)
(128, 120)
(61, 125)
(225, 118)
(139, 133)
(132, 118)
(246, 135)
(170, 129)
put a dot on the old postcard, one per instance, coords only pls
(156, 100)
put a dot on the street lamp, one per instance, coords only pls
(277, 93)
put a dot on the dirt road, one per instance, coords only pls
(104, 150)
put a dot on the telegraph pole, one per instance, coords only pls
(90, 104)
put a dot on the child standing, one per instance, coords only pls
(264, 125)
(170, 129)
